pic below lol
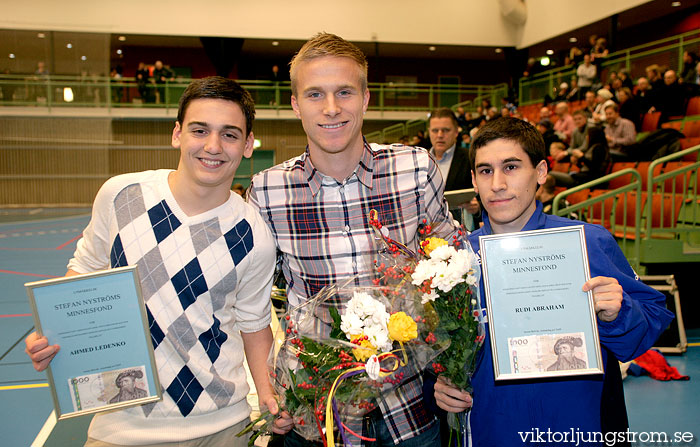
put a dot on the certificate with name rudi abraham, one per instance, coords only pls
(106, 358)
(540, 321)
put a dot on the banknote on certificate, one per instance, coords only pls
(548, 352)
(108, 387)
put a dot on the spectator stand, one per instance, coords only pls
(652, 208)
(666, 52)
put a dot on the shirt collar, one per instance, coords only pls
(364, 169)
(447, 154)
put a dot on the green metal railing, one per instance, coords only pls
(76, 91)
(667, 52)
(666, 225)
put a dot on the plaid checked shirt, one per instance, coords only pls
(322, 231)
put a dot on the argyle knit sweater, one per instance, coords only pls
(204, 279)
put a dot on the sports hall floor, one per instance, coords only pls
(36, 244)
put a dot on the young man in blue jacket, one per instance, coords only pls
(508, 160)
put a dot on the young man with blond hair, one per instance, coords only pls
(317, 206)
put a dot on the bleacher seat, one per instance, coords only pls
(693, 107)
(691, 129)
(651, 121)
(673, 125)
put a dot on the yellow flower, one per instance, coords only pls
(433, 243)
(364, 351)
(402, 327)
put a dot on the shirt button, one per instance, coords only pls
(347, 228)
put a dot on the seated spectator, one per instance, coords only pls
(507, 103)
(628, 107)
(564, 127)
(545, 114)
(593, 162)
(562, 92)
(644, 95)
(578, 137)
(546, 128)
(475, 129)
(558, 153)
(462, 119)
(404, 140)
(589, 103)
(654, 76)
(586, 73)
(625, 78)
(690, 61)
(671, 97)
(492, 113)
(505, 111)
(619, 131)
(603, 98)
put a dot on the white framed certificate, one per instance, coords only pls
(106, 359)
(540, 321)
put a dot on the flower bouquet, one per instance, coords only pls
(342, 350)
(447, 276)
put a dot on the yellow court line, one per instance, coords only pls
(694, 344)
(21, 387)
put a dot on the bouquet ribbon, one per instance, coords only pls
(332, 406)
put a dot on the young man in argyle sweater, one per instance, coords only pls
(205, 259)
(317, 206)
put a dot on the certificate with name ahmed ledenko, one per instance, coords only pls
(540, 321)
(106, 358)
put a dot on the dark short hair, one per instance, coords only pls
(444, 112)
(512, 129)
(216, 87)
(580, 112)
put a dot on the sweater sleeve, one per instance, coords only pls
(253, 305)
(92, 251)
(643, 315)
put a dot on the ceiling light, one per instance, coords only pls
(122, 38)
(256, 143)
(119, 51)
(41, 35)
(550, 52)
(675, 4)
(498, 50)
(573, 39)
(83, 58)
(431, 48)
(275, 43)
(12, 55)
(544, 61)
(69, 45)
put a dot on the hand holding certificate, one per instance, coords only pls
(540, 321)
(106, 357)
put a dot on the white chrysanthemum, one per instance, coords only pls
(432, 296)
(443, 253)
(379, 336)
(351, 324)
(423, 272)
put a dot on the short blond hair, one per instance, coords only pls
(326, 44)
